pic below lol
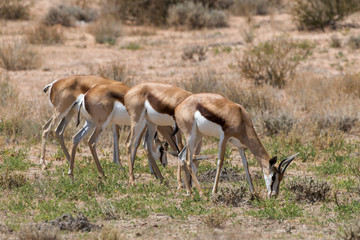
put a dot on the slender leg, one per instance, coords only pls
(76, 139)
(182, 163)
(151, 130)
(135, 136)
(116, 157)
(198, 147)
(60, 133)
(46, 129)
(245, 163)
(92, 144)
(222, 148)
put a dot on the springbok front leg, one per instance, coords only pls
(59, 131)
(245, 163)
(151, 130)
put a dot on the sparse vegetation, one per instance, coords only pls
(106, 30)
(215, 219)
(18, 54)
(335, 42)
(37, 232)
(113, 70)
(278, 123)
(352, 232)
(231, 196)
(42, 34)
(250, 7)
(14, 9)
(273, 62)
(318, 14)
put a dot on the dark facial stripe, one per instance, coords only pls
(211, 116)
(160, 106)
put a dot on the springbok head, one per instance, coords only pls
(276, 174)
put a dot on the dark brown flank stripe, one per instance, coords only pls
(117, 96)
(159, 106)
(206, 113)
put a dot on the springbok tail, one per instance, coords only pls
(46, 88)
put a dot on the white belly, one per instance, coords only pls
(207, 127)
(120, 115)
(157, 118)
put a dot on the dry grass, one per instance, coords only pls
(10, 180)
(354, 42)
(231, 196)
(37, 232)
(14, 9)
(106, 30)
(18, 54)
(215, 219)
(42, 34)
(352, 232)
(107, 233)
(250, 7)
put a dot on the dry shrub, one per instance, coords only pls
(248, 35)
(77, 223)
(18, 54)
(274, 61)
(190, 53)
(354, 42)
(66, 15)
(351, 84)
(250, 7)
(335, 42)
(106, 30)
(335, 120)
(10, 180)
(231, 196)
(195, 16)
(42, 34)
(215, 219)
(318, 14)
(14, 9)
(113, 70)
(309, 189)
(278, 123)
(205, 81)
(352, 232)
(38, 232)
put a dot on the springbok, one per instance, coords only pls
(151, 104)
(209, 114)
(63, 95)
(101, 105)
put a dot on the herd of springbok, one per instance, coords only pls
(150, 108)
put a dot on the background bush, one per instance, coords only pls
(318, 14)
(106, 30)
(14, 9)
(274, 61)
(195, 16)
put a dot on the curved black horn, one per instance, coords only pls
(285, 163)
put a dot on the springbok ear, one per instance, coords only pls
(285, 163)
(182, 154)
(273, 160)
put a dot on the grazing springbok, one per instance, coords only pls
(101, 105)
(151, 104)
(63, 95)
(209, 114)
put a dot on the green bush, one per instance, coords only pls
(318, 14)
(274, 61)
(14, 9)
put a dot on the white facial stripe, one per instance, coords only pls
(160, 119)
(207, 127)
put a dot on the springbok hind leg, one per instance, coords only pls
(222, 148)
(92, 145)
(246, 167)
(60, 133)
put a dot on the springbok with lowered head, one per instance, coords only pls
(63, 95)
(151, 104)
(209, 114)
(101, 105)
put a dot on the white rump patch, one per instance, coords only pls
(120, 115)
(207, 127)
(157, 118)
(83, 111)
